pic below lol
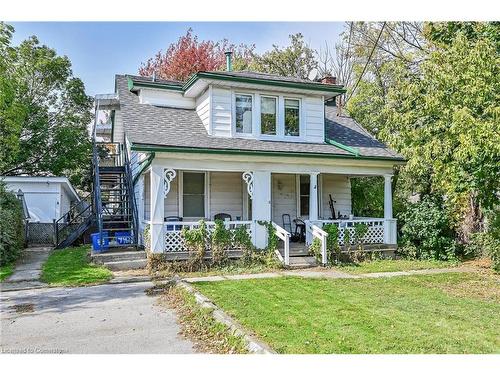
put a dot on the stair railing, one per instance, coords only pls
(131, 195)
(78, 214)
(96, 180)
(285, 237)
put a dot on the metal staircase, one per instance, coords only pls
(73, 224)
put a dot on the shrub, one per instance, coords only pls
(196, 241)
(221, 241)
(11, 227)
(426, 231)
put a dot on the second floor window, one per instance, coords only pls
(244, 114)
(292, 117)
(268, 115)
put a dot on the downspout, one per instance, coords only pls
(349, 149)
(143, 166)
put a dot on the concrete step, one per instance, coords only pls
(124, 265)
(303, 262)
(118, 256)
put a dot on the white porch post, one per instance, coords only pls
(157, 208)
(140, 208)
(389, 221)
(261, 206)
(313, 196)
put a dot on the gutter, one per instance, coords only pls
(144, 165)
(349, 149)
(152, 148)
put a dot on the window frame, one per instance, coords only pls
(301, 130)
(277, 100)
(253, 111)
(299, 195)
(206, 193)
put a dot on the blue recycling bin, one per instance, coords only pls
(123, 238)
(96, 245)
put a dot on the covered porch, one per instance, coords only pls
(174, 195)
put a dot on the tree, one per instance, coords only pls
(296, 60)
(189, 55)
(44, 112)
(445, 121)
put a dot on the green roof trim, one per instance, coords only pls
(314, 86)
(152, 148)
(144, 165)
(352, 150)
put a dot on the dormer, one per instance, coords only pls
(246, 104)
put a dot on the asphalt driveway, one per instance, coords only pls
(110, 318)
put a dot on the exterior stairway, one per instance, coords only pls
(120, 259)
(299, 256)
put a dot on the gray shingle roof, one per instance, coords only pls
(173, 127)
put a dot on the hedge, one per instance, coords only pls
(11, 226)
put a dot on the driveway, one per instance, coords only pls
(118, 318)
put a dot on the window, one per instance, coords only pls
(244, 114)
(292, 117)
(193, 195)
(304, 189)
(268, 117)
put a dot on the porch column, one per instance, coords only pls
(313, 196)
(157, 208)
(389, 221)
(261, 206)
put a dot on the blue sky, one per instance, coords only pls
(99, 50)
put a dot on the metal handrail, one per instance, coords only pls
(82, 209)
(97, 182)
(131, 195)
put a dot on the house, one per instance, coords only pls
(243, 146)
(46, 198)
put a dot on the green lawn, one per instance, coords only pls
(6, 271)
(445, 313)
(388, 265)
(72, 267)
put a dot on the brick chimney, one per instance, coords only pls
(329, 80)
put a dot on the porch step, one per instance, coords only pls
(303, 262)
(118, 256)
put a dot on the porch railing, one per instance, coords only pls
(174, 242)
(284, 236)
(374, 235)
(313, 231)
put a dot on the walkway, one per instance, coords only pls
(28, 269)
(325, 273)
(110, 318)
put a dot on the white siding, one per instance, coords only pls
(314, 119)
(226, 194)
(284, 197)
(203, 109)
(118, 127)
(165, 98)
(171, 202)
(340, 188)
(221, 112)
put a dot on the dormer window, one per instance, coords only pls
(268, 115)
(244, 114)
(292, 117)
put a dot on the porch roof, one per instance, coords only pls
(157, 128)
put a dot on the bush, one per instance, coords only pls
(11, 227)
(426, 231)
(487, 244)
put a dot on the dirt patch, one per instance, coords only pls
(483, 286)
(159, 288)
(24, 308)
(198, 325)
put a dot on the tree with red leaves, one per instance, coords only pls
(189, 55)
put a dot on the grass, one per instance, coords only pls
(198, 324)
(6, 271)
(72, 267)
(387, 265)
(444, 313)
(232, 268)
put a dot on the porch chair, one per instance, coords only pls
(300, 229)
(222, 216)
(173, 227)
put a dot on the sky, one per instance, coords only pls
(99, 50)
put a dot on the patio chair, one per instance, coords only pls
(300, 229)
(287, 223)
(173, 227)
(222, 216)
